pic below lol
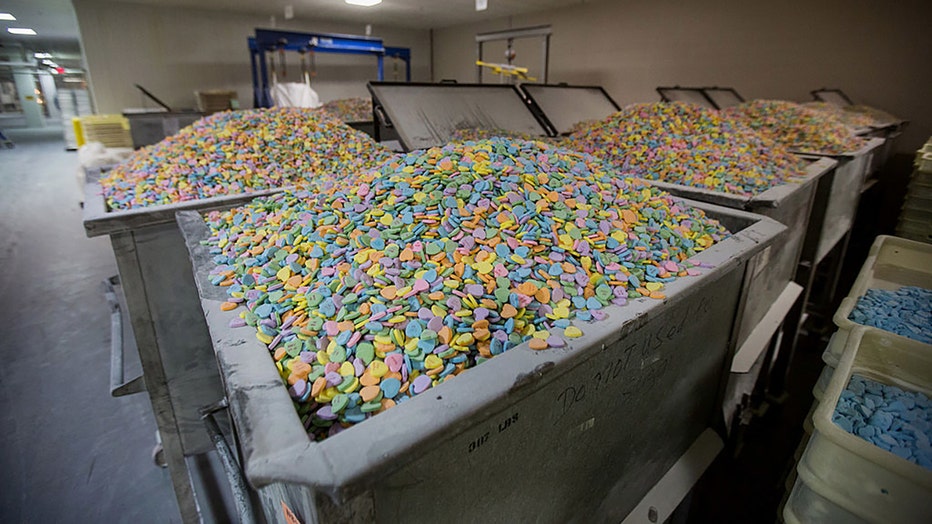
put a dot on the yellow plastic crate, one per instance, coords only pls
(110, 130)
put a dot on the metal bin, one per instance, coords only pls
(769, 288)
(573, 434)
(179, 370)
(151, 127)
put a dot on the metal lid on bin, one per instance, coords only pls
(693, 95)
(723, 97)
(564, 106)
(426, 115)
(832, 96)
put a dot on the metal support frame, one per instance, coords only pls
(131, 275)
(403, 54)
(231, 467)
(118, 387)
(511, 35)
(272, 40)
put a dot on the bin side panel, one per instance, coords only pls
(180, 329)
(588, 445)
(771, 269)
(843, 202)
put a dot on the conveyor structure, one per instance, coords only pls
(272, 41)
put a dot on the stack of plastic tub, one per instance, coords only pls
(844, 478)
(412, 462)
(916, 215)
(892, 263)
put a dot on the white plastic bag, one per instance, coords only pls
(94, 154)
(294, 94)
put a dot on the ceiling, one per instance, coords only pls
(55, 23)
(57, 27)
(421, 14)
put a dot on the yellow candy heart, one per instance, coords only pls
(572, 332)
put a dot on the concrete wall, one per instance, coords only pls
(877, 52)
(174, 51)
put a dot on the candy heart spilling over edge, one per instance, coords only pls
(349, 109)
(685, 144)
(878, 117)
(373, 289)
(852, 119)
(240, 152)
(796, 127)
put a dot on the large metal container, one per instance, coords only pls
(574, 434)
(152, 126)
(788, 204)
(890, 133)
(769, 288)
(842, 192)
(845, 192)
(179, 370)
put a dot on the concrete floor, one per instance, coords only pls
(68, 451)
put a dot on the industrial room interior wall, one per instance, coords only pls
(174, 51)
(877, 52)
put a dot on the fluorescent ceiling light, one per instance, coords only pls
(7, 16)
(75, 80)
(43, 55)
(20, 31)
(363, 3)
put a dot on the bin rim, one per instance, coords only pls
(771, 198)
(99, 221)
(869, 145)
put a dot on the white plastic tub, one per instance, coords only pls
(807, 504)
(892, 263)
(848, 477)
(924, 160)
